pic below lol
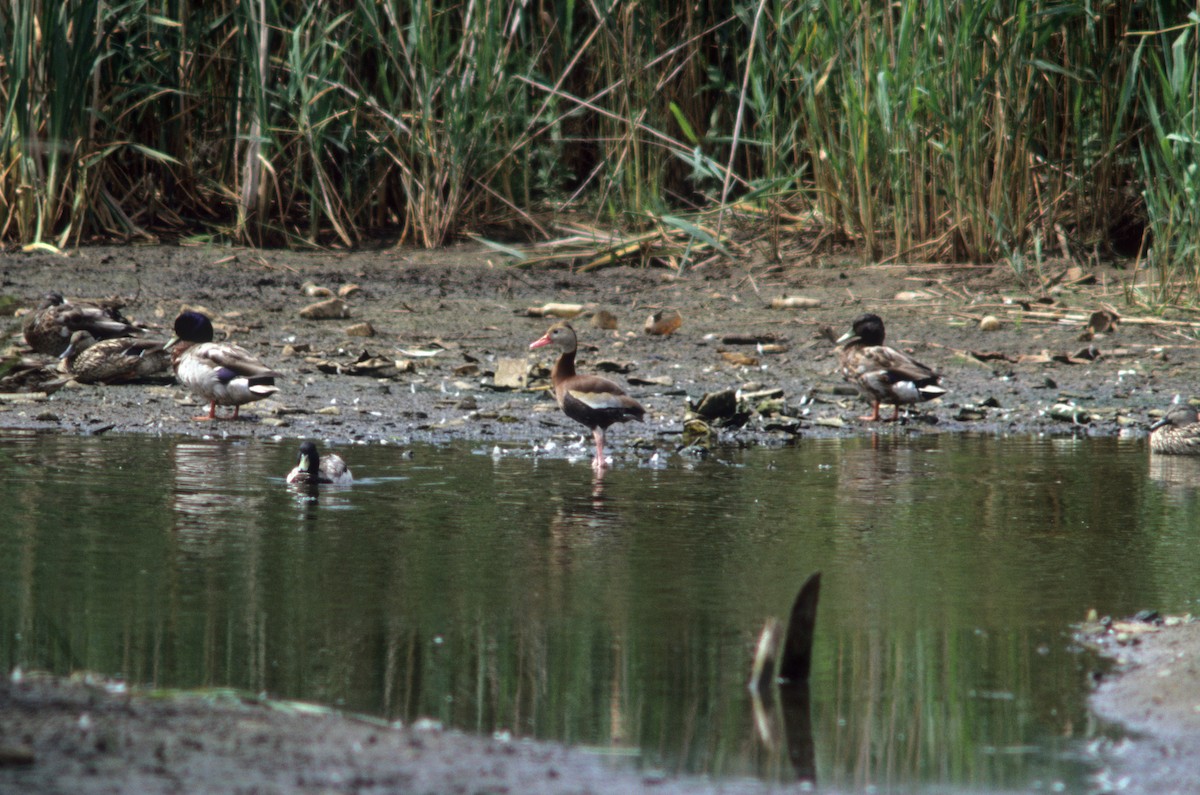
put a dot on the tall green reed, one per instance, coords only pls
(1169, 87)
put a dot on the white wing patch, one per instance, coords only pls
(598, 400)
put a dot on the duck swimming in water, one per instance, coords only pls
(313, 469)
(1177, 433)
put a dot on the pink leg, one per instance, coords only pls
(598, 462)
(874, 415)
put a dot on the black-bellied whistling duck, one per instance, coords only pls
(312, 468)
(883, 374)
(588, 399)
(219, 372)
(1177, 433)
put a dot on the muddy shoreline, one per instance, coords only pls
(444, 322)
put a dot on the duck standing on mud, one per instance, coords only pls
(48, 328)
(588, 399)
(219, 372)
(881, 373)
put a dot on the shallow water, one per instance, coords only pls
(513, 594)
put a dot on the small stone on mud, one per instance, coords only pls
(313, 290)
(294, 349)
(566, 311)
(347, 290)
(989, 323)
(466, 370)
(717, 405)
(739, 359)
(363, 329)
(329, 411)
(16, 756)
(326, 310)
(511, 374)
(795, 302)
(603, 319)
(274, 422)
(47, 416)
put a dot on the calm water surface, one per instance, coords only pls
(513, 594)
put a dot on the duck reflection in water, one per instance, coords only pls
(211, 496)
(583, 519)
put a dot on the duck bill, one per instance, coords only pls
(173, 341)
(1160, 424)
(847, 337)
(539, 343)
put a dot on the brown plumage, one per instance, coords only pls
(114, 361)
(883, 374)
(48, 329)
(588, 399)
(1177, 433)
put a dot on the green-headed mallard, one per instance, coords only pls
(883, 374)
(48, 329)
(114, 360)
(312, 468)
(1177, 433)
(588, 399)
(219, 372)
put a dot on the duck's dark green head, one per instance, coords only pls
(192, 326)
(867, 329)
(308, 460)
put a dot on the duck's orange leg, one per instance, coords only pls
(212, 413)
(874, 415)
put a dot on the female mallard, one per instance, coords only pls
(588, 399)
(312, 469)
(113, 361)
(883, 374)
(219, 372)
(48, 329)
(1177, 433)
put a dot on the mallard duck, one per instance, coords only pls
(883, 374)
(312, 468)
(113, 361)
(1177, 433)
(588, 399)
(219, 372)
(48, 329)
